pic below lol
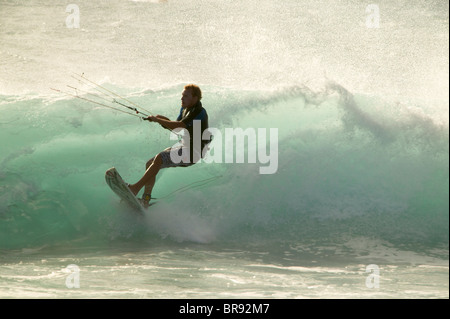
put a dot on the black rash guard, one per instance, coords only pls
(187, 116)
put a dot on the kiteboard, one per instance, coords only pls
(118, 186)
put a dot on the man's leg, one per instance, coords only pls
(148, 180)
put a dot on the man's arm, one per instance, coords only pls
(166, 123)
(162, 117)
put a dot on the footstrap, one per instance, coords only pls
(147, 197)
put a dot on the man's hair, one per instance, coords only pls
(195, 90)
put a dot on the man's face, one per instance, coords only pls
(187, 100)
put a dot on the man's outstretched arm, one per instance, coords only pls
(166, 123)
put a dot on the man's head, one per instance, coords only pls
(190, 95)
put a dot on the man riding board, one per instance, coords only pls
(188, 153)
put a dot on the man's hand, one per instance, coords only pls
(151, 118)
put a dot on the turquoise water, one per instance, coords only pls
(342, 169)
(362, 161)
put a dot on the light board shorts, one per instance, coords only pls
(180, 157)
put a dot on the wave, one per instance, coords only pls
(348, 166)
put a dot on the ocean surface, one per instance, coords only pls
(358, 204)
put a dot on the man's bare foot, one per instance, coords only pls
(145, 200)
(133, 189)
